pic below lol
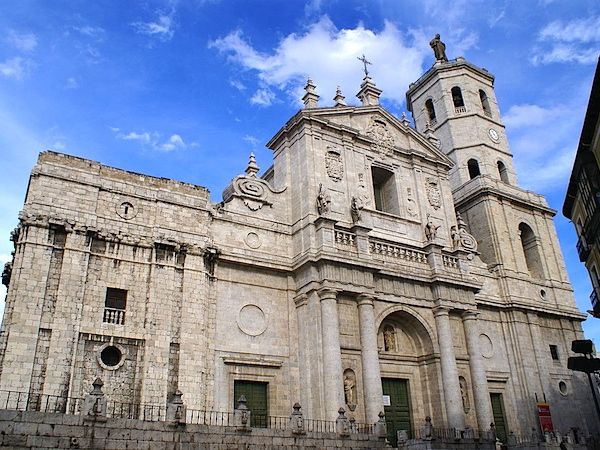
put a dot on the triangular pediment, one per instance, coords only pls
(381, 131)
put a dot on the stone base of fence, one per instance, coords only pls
(42, 430)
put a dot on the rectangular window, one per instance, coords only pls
(554, 352)
(384, 190)
(114, 306)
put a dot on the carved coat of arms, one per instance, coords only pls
(379, 132)
(433, 192)
(334, 165)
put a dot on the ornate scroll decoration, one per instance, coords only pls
(434, 194)
(334, 164)
(464, 239)
(252, 190)
(381, 135)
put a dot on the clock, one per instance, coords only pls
(494, 136)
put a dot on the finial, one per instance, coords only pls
(339, 98)
(365, 62)
(404, 119)
(310, 99)
(439, 49)
(252, 168)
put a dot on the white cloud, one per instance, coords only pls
(328, 55)
(152, 140)
(162, 27)
(238, 85)
(24, 42)
(175, 141)
(527, 115)
(574, 41)
(252, 140)
(544, 159)
(91, 31)
(579, 30)
(15, 67)
(71, 83)
(262, 97)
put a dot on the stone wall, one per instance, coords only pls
(38, 430)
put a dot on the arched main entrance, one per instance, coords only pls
(408, 372)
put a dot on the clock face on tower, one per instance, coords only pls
(494, 136)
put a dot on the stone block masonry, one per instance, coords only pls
(39, 430)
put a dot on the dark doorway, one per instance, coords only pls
(256, 397)
(397, 415)
(499, 419)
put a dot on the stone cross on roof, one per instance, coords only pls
(365, 62)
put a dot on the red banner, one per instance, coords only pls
(545, 417)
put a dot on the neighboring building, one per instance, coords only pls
(582, 204)
(345, 276)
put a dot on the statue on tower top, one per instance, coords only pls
(439, 48)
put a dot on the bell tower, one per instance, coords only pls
(455, 101)
(455, 106)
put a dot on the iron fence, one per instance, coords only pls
(22, 401)
(25, 401)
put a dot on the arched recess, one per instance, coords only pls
(502, 172)
(485, 103)
(457, 99)
(531, 251)
(430, 111)
(409, 361)
(473, 167)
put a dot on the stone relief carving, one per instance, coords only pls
(379, 132)
(356, 207)
(252, 240)
(323, 200)
(434, 194)
(334, 164)
(350, 388)
(362, 189)
(389, 339)
(464, 393)
(411, 204)
(430, 229)
(462, 238)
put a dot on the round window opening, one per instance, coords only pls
(562, 387)
(111, 356)
(543, 294)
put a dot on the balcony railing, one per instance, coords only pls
(115, 316)
(460, 110)
(583, 249)
(594, 300)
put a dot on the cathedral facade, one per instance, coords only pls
(375, 266)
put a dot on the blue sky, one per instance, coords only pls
(187, 89)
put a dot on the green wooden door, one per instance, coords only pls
(256, 397)
(499, 419)
(397, 415)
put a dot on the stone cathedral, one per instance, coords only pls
(374, 266)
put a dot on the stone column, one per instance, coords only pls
(452, 397)
(332, 358)
(370, 360)
(483, 407)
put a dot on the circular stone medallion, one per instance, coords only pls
(252, 320)
(486, 346)
(252, 240)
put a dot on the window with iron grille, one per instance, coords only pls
(114, 306)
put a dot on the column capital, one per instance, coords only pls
(470, 315)
(365, 299)
(327, 293)
(441, 311)
(300, 300)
